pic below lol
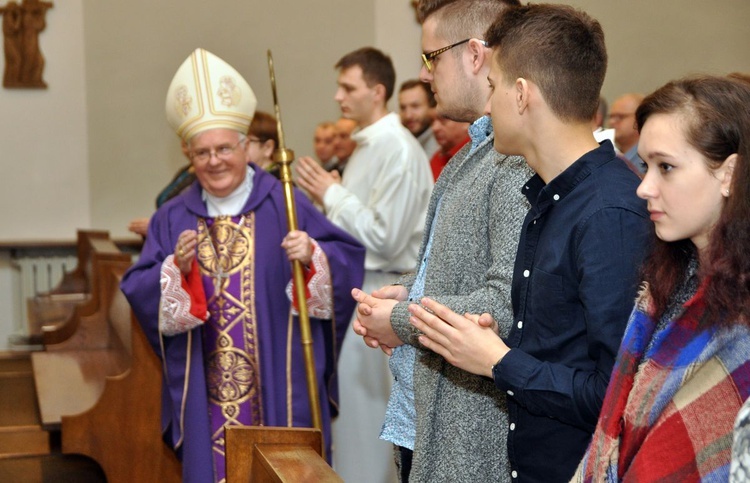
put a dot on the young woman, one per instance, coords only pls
(683, 370)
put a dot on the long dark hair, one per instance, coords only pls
(717, 116)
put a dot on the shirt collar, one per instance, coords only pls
(479, 131)
(542, 196)
(367, 133)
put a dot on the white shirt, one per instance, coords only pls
(601, 134)
(382, 199)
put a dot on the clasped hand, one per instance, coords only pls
(469, 342)
(373, 320)
(314, 179)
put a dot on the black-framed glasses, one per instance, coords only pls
(429, 56)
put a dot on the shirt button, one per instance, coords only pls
(514, 474)
(510, 393)
(512, 426)
(556, 197)
(520, 324)
(526, 274)
(534, 222)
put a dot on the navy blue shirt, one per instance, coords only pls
(574, 284)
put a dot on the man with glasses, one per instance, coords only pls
(452, 425)
(581, 246)
(210, 286)
(622, 120)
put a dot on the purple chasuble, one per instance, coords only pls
(245, 364)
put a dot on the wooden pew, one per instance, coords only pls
(51, 316)
(263, 454)
(122, 431)
(70, 376)
(21, 430)
(101, 387)
(22, 433)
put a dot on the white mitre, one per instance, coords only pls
(207, 93)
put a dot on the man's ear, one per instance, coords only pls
(522, 94)
(379, 92)
(726, 173)
(479, 55)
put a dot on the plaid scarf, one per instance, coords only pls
(670, 405)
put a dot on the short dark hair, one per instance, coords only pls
(412, 83)
(377, 68)
(461, 19)
(263, 126)
(557, 47)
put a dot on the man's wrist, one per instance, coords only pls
(495, 368)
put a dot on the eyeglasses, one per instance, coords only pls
(428, 57)
(616, 117)
(222, 152)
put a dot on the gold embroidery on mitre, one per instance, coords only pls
(228, 91)
(183, 101)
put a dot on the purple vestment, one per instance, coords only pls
(185, 420)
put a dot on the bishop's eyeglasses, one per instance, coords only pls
(223, 152)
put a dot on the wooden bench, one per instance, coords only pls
(263, 454)
(22, 433)
(122, 431)
(51, 317)
(21, 430)
(101, 388)
(70, 376)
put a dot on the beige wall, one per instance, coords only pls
(398, 34)
(94, 149)
(133, 48)
(44, 169)
(652, 41)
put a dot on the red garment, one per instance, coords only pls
(440, 159)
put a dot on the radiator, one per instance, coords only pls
(37, 275)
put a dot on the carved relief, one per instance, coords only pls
(24, 62)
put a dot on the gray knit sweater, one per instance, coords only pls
(462, 420)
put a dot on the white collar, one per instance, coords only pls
(233, 203)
